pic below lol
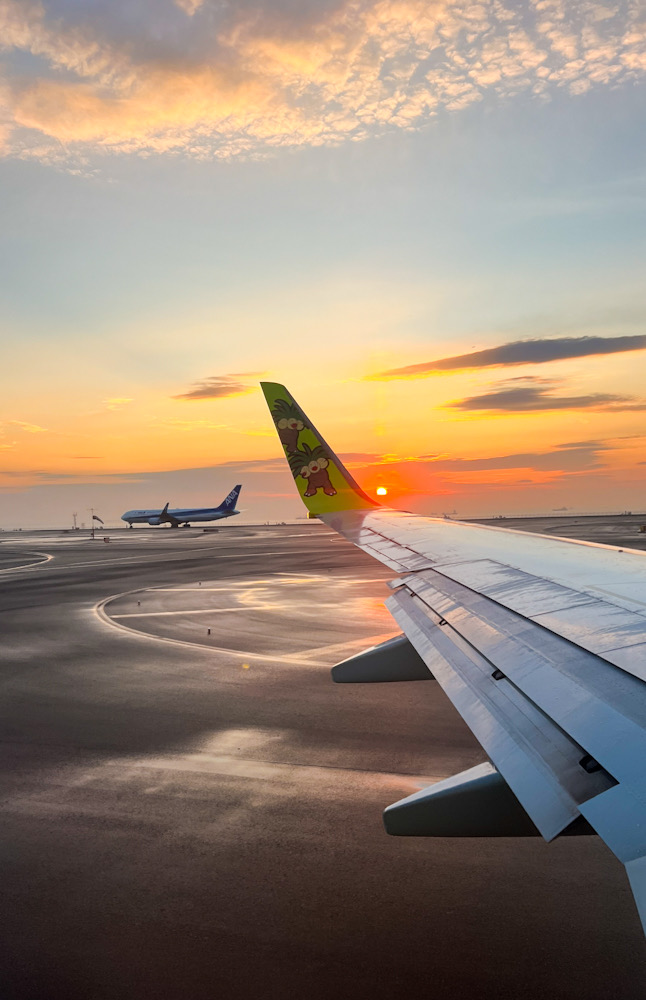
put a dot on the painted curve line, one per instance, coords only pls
(46, 557)
(100, 611)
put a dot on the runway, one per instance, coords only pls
(196, 814)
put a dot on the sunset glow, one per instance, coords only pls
(426, 220)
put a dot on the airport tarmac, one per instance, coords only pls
(195, 815)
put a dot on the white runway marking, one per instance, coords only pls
(195, 611)
(306, 534)
(254, 555)
(245, 584)
(32, 565)
(195, 590)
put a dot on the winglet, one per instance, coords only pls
(324, 483)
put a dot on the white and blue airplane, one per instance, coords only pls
(184, 515)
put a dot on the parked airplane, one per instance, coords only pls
(182, 515)
(539, 642)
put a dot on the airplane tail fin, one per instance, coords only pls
(324, 483)
(229, 502)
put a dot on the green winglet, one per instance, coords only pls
(325, 485)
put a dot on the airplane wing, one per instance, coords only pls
(539, 642)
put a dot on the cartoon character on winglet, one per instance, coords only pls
(287, 418)
(312, 465)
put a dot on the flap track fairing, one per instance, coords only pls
(393, 660)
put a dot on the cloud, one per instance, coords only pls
(194, 425)
(189, 7)
(563, 457)
(28, 428)
(520, 352)
(117, 402)
(12, 480)
(20, 426)
(219, 386)
(569, 457)
(224, 78)
(530, 395)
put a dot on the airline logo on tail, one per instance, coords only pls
(230, 501)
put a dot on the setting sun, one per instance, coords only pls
(381, 491)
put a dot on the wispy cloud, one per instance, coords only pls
(564, 457)
(223, 78)
(189, 7)
(118, 402)
(530, 394)
(220, 386)
(22, 425)
(13, 426)
(519, 352)
(193, 425)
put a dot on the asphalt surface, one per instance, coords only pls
(622, 530)
(195, 815)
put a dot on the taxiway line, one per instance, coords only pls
(188, 611)
(32, 565)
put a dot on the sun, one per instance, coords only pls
(381, 491)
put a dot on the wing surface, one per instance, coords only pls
(539, 642)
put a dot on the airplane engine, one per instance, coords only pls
(154, 520)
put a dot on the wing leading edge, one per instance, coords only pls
(539, 642)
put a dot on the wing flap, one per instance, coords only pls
(599, 705)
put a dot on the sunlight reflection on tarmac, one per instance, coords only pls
(300, 616)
